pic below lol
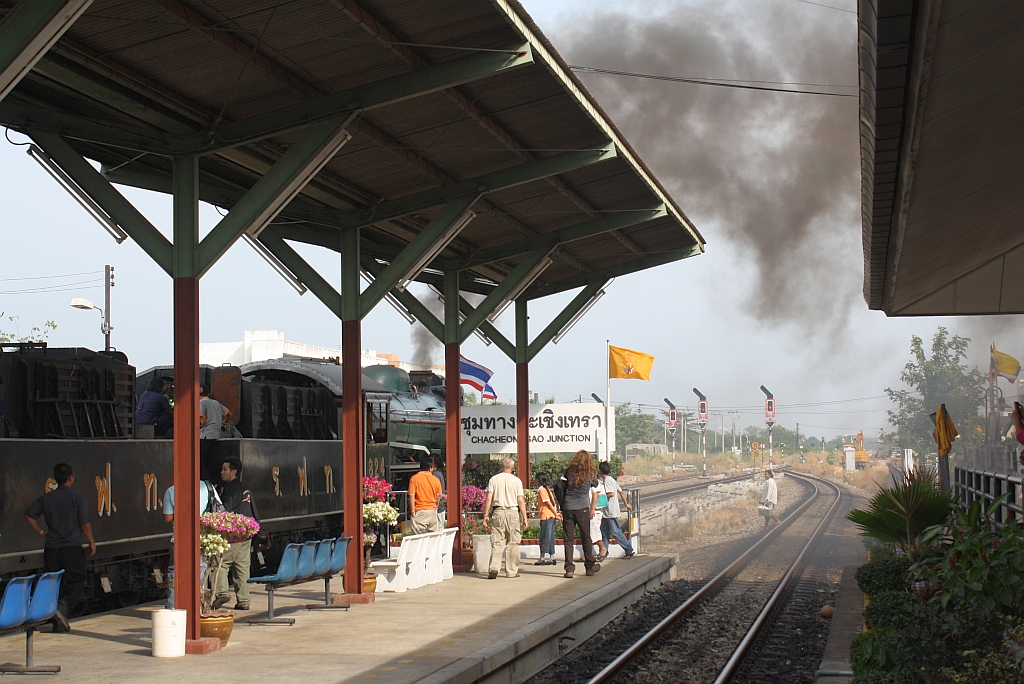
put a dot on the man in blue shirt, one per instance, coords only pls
(67, 522)
(154, 408)
(205, 489)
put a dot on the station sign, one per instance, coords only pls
(554, 428)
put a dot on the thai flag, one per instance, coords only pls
(473, 374)
(489, 393)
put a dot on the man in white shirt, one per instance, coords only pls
(505, 493)
(610, 514)
(770, 496)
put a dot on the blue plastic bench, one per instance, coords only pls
(286, 572)
(336, 556)
(25, 608)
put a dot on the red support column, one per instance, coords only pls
(523, 422)
(453, 444)
(352, 452)
(186, 451)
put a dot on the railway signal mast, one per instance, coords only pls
(769, 419)
(671, 423)
(702, 423)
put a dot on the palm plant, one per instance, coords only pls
(900, 514)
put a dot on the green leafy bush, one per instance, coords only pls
(886, 572)
(532, 532)
(888, 608)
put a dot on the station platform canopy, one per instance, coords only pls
(942, 156)
(401, 110)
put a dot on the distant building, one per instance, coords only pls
(263, 345)
(649, 449)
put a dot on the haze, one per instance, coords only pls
(770, 179)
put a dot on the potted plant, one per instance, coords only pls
(217, 532)
(375, 514)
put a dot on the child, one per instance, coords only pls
(548, 515)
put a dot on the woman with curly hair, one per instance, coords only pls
(578, 507)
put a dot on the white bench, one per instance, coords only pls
(422, 559)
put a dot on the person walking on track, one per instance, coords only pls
(770, 497)
(578, 498)
(505, 493)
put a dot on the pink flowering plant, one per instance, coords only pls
(473, 498)
(233, 527)
(216, 532)
(375, 489)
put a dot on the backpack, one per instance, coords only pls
(560, 489)
(213, 502)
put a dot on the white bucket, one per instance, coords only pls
(169, 633)
(481, 552)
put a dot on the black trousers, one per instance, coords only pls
(570, 519)
(70, 559)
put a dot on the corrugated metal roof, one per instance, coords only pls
(188, 67)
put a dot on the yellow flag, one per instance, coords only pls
(629, 364)
(945, 431)
(1003, 365)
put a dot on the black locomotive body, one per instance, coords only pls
(77, 406)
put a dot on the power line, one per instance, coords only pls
(64, 287)
(720, 83)
(66, 275)
(818, 4)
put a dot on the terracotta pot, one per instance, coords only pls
(370, 584)
(217, 626)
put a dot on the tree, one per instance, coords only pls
(942, 378)
(35, 334)
(636, 428)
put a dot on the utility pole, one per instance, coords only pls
(108, 282)
(702, 423)
(798, 436)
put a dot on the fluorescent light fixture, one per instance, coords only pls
(520, 288)
(392, 300)
(293, 188)
(80, 196)
(436, 249)
(276, 264)
(579, 314)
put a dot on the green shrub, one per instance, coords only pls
(886, 572)
(875, 651)
(1003, 664)
(888, 608)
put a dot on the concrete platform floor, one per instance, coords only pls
(400, 638)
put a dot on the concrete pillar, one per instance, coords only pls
(522, 393)
(352, 433)
(453, 410)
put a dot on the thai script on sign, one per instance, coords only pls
(553, 428)
(103, 504)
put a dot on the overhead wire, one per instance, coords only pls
(713, 82)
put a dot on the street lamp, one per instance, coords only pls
(607, 452)
(105, 328)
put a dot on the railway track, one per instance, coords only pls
(708, 636)
(683, 487)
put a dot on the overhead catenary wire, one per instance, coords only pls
(64, 275)
(743, 85)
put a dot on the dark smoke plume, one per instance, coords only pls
(424, 344)
(774, 175)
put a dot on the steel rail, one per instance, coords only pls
(741, 651)
(614, 668)
(670, 493)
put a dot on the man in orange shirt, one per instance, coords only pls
(424, 492)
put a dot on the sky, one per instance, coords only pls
(771, 180)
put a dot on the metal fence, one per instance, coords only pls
(984, 485)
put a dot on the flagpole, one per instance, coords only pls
(607, 398)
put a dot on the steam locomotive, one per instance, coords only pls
(75, 405)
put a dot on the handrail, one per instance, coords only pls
(984, 485)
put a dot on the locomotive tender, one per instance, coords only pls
(77, 406)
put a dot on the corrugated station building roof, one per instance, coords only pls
(942, 155)
(241, 81)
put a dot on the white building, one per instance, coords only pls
(263, 345)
